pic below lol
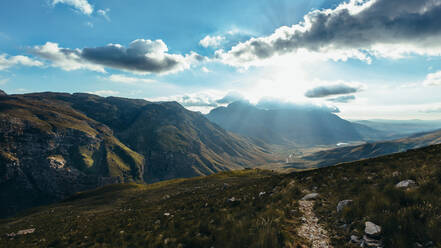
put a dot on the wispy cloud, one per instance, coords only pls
(212, 41)
(104, 13)
(433, 79)
(104, 93)
(81, 5)
(9, 61)
(128, 80)
(342, 99)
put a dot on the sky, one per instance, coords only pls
(361, 59)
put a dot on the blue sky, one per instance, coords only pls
(196, 52)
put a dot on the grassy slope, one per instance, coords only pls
(201, 215)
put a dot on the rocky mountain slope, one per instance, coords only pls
(390, 201)
(303, 127)
(54, 144)
(373, 149)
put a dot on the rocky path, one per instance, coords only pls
(311, 229)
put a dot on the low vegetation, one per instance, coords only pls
(248, 208)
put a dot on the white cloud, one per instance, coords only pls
(63, 58)
(89, 24)
(9, 61)
(82, 5)
(141, 56)
(433, 79)
(212, 41)
(205, 69)
(104, 92)
(118, 78)
(104, 13)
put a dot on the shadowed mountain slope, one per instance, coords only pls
(305, 127)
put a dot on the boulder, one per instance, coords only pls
(355, 239)
(372, 229)
(342, 204)
(311, 196)
(406, 184)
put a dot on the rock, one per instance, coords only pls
(406, 184)
(166, 214)
(343, 204)
(232, 199)
(2, 93)
(395, 173)
(21, 232)
(372, 229)
(355, 239)
(262, 193)
(370, 242)
(311, 196)
(26, 231)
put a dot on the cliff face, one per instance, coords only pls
(53, 145)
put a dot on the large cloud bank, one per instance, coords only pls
(355, 29)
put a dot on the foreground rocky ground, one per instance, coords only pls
(391, 201)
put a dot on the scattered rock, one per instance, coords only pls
(21, 232)
(395, 173)
(26, 231)
(166, 214)
(372, 229)
(310, 228)
(310, 196)
(262, 193)
(343, 204)
(355, 239)
(406, 184)
(232, 199)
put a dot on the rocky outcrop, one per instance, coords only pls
(342, 204)
(311, 196)
(2, 93)
(406, 184)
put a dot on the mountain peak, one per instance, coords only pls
(2, 93)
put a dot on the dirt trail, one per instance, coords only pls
(311, 229)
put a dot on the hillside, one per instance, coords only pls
(251, 208)
(303, 127)
(56, 144)
(373, 149)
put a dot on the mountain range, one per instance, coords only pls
(55, 144)
(290, 126)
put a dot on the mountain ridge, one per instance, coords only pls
(56, 144)
(287, 126)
